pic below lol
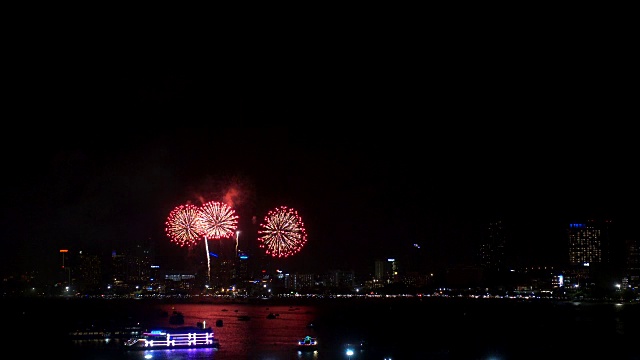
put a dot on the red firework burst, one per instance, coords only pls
(183, 225)
(282, 234)
(217, 220)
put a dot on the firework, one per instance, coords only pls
(282, 234)
(183, 225)
(217, 220)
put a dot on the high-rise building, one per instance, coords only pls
(242, 272)
(589, 260)
(386, 271)
(341, 279)
(304, 281)
(131, 268)
(588, 243)
(379, 270)
(632, 263)
(492, 248)
(89, 271)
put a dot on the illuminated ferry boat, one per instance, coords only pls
(183, 337)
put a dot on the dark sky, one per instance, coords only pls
(375, 153)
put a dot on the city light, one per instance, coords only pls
(349, 353)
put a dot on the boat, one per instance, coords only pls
(272, 316)
(308, 343)
(177, 318)
(183, 337)
(97, 332)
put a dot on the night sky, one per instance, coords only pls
(375, 156)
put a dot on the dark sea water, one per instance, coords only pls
(493, 329)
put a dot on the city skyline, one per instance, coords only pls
(590, 268)
(412, 258)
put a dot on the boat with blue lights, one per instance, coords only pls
(308, 343)
(183, 337)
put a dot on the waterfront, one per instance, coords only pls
(392, 329)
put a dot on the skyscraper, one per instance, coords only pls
(588, 243)
(632, 263)
(492, 248)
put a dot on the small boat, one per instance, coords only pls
(244, 317)
(272, 316)
(177, 318)
(308, 343)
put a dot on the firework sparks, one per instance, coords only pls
(183, 225)
(217, 220)
(282, 234)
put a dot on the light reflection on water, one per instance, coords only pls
(448, 329)
(246, 331)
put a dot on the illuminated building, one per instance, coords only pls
(492, 249)
(588, 243)
(588, 252)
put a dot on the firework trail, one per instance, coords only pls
(237, 235)
(183, 225)
(216, 220)
(282, 234)
(206, 248)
